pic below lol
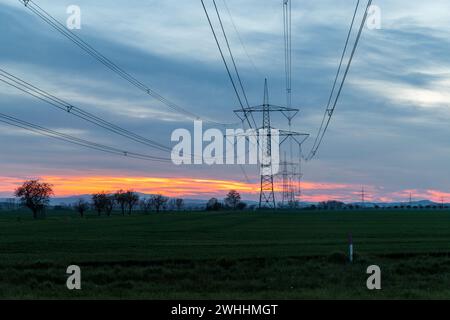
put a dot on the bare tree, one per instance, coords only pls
(34, 195)
(121, 198)
(81, 207)
(132, 199)
(175, 204)
(99, 201)
(179, 203)
(233, 199)
(109, 204)
(213, 205)
(158, 201)
(146, 205)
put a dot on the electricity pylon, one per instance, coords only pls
(363, 197)
(291, 175)
(265, 140)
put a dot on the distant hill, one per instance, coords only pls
(419, 203)
(191, 203)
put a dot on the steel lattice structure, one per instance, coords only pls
(265, 140)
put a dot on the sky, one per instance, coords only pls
(390, 131)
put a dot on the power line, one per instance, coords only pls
(293, 173)
(287, 19)
(74, 140)
(241, 41)
(338, 72)
(59, 103)
(225, 62)
(65, 106)
(58, 26)
(329, 111)
(232, 58)
(363, 196)
(229, 72)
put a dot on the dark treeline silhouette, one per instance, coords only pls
(231, 202)
(338, 205)
(35, 195)
(127, 201)
(81, 207)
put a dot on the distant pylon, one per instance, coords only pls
(284, 178)
(299, 173)
(363, 197)
(289, 176)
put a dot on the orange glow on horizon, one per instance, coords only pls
(203, 188)
(77, 185)
(171, 187)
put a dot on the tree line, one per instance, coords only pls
(35, 195)
(126, 201)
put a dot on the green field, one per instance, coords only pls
(226, 255)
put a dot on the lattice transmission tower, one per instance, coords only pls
(265, 140)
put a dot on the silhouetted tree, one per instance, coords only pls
(99, 202)
(171, 205)
(241, 205)
(158, 201)
(34, 195)
(294, 204)
(331, 205)
(213, 205)
(81, 207)
(132, 199)
(146, 205)
(108, 204)
(121, 198)
(233, 199)
(179, 203)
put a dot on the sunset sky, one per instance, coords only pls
(390, 132)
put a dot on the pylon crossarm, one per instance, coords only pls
(290, 115)
(298, 141)
(268, 107)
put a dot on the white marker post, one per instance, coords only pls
(350, 247)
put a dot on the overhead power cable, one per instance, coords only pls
(244, 47)
(287, 33)
(240, 100)
(63, 105)
(235, 88)
(331, 107)
(58, 26)
(233, 60)
(338, 72)
(287, 18)
(74, 140)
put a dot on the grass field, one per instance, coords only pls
(226, 255)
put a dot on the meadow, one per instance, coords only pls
(226, 255)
